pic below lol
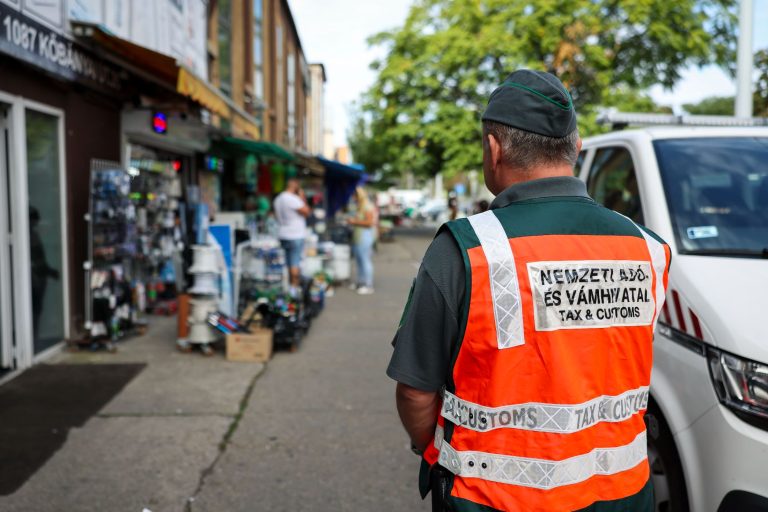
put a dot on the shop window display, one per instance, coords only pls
(136, 243)
(113, 245)
(156, 193)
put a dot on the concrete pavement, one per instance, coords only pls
(148, 447)
(321, 432)
(317, 430)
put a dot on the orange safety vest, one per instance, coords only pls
(549, 386)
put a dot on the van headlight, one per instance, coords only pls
(741, 385)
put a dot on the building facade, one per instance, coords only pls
(60, 106)
(285, 73)
(128, 83)
(316, 110)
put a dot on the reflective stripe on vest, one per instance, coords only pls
(543, 417)
(659, 259)
(538, 473)
(505, 292)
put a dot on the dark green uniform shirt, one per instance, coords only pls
(429, 330)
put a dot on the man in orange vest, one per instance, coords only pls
(523, 357)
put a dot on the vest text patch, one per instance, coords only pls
(591, 294)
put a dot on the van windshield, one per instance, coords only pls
(717, 193)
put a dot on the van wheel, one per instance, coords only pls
(666, 470)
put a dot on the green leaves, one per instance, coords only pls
(423, 112)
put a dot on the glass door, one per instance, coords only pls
(46, 247)
(6, 285)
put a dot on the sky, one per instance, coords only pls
(334, 32)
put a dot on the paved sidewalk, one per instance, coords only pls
(317, 431)
(149, 446)
(321, 432)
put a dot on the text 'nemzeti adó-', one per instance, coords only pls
(589, 294)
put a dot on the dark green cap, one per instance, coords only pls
(533, 101)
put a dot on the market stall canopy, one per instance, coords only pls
(342, 171)
(310, 163)
(167, 72)
(261, 148)
(340, 182)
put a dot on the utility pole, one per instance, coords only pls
(743, 107)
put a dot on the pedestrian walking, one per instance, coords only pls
(523, 357)
(363, 238)
(291, 212)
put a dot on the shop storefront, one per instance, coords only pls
(163, 154)
(59, 108)
(252, 173)
(72, 102)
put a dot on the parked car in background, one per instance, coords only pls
(432, 210)
(705, 191)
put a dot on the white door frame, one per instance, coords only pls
(22, 292)
(6, 311)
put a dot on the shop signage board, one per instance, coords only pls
(28, 40)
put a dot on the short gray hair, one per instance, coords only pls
(525, 150)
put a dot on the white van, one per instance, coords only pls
(705, 191)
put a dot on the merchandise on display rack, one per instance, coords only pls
(259, 265)
(225, 324)
(283, 313)
(156, 191)
(261, 285)
(112, 234)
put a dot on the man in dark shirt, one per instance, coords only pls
(530, 143)
(429, 330)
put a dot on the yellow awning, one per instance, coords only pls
(198, 90)
(168, 72)
(193, 87)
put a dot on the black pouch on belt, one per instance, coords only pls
(440, 480)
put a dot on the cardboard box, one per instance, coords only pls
(255, 347)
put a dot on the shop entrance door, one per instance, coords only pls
(33, 285)
(46, 264)
(6, 285)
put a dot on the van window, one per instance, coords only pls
(613, 183)
(717, 194)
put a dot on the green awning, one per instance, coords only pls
(260, 148)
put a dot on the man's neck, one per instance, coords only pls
(537, 173)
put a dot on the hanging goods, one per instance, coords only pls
(169, 219)
(112, 245)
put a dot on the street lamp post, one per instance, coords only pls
(743, 107)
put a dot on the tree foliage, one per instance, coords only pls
(712, 106)
(725, 105)
(422, 113)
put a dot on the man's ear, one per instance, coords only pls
(578, 145)
(495, 151)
